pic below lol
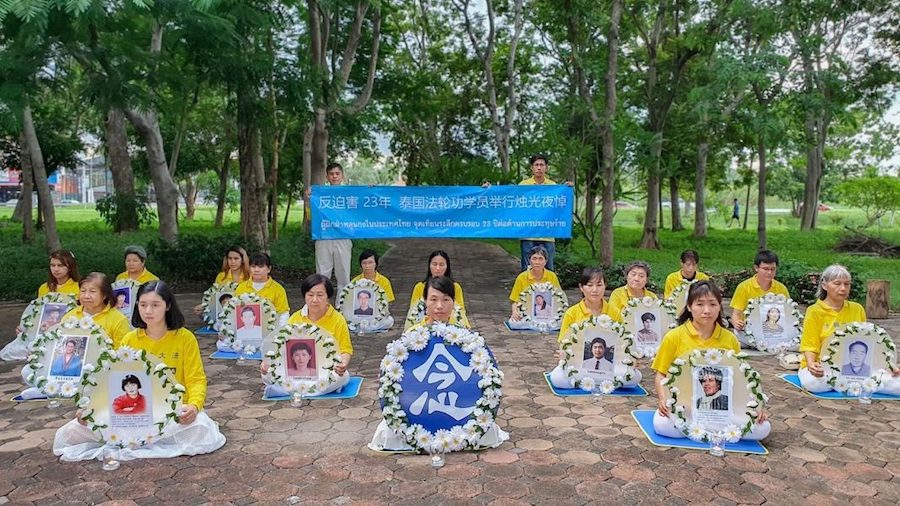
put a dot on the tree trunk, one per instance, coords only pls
(189, 193)
(676, 205)
(119, 163)
(319, 148)
(253, 177)
(287, 210)
(700, 191)
(147, 126)
(25, 203)
(813, 129)
(608, 138)
(223, 188)
(761, 205)
(747, 206)
(45, 201)
(650, 237)
(307, 176)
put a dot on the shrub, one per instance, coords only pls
(194, 257)
(125, 212)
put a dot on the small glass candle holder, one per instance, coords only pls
(865, 396)
(597, 394)
(297, 399)
(437, 456)
(716, 445)
(53, 404)
(109, 459)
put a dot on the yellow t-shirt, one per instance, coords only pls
(750, 289)
(685, 338)
(578, 313)
(178, 349)
(332, 322)
(226, 277)
(381, 281)
(271, 291)
(818, 325)
(525, 279)
(531, 181)
(145, 277)
(419, 294)
(675, 279)
(111, 320)
(70, 287)
(619, 298)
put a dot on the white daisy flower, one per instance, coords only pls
(179, 388)
(647, 300)
(714, 356)
(679, 409)
(68, 389)
(780, 298)
(841, 384)
(394, 372)
(732, 433)
(869, 385)
(607, 386)
(84, 402)
(485, 420)
(604, 320)
(386, 363)
(51, 388)
(674, 390)
(587, 383)
(696, 432)
(679, 362)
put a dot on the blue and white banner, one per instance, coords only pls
(513, 211)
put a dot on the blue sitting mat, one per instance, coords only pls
(636, 390)
(528, 331)
(644, 419)
(350, 390)
(230, 355)
(831, 395)
(206, 331)
(19, 398)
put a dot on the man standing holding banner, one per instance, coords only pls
(334, 254)
(538, 176)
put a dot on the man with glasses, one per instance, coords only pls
(765, 264)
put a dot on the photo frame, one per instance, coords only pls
(300, 358)
(248, 324)
(712, 394)
(277, 350)
(578, 347)
(55, 367)
(542, 306)
(363, 303)
(647, 320)
(857, 357)
(51, 314)
(212, 303)
(229, 317)
(773, 323)
(67, 358)
(20, 347)
(131, 399)
(599, 353)
(124, 292)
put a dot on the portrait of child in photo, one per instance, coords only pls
(132, 401)
(222, 301)
(123, 298)
(131, 394)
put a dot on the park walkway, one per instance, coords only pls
(561, 450)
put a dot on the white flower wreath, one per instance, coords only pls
(214, 291)
(460, 437)
(268, 317)
(634, 304)
(771, 298)
(153, 367)
(713, 356)
(33, 311)
(833, 371)
(678, 298)
(54, 387)
(274, 358)
(381, 310)
(560, 302)
(567, 345)
(416, 315)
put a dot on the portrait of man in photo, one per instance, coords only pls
(858, 361)
(362, 305)
(712, 397)
(597, 356)
(647, 332)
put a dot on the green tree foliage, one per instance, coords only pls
(876, 195)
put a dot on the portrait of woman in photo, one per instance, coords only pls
(771, 325)
(541, 306)
(68, 363)
(132, 402)
(302, 363)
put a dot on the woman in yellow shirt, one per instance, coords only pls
(536, 273)
(235, 268)
(96, 299)
(317, 291)
(592, 284)
(833, 308)
(690, 259)
(135, 257)
(263, 285)
(159, 331)
(701, 327)
(637, 274)
(439, 265)
(62, 275)
(368, 262)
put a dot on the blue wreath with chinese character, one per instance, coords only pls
(440, 387)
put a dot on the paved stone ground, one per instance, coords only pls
(561, 450)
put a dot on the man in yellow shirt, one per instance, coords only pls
(538, 176)
(690, 259)
(765, 264)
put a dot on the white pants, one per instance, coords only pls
(17, 349)
(559, 379)
(75, 442)
(279, 391)
(666, 427)
(334, 255)
(810, 383)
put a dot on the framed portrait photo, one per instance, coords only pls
(300, 358)
(131, 399)
(248, 324)
(51, 314)
(363, 302)
(68, 358)
(713, 394)
(599, 353)
(542, 306)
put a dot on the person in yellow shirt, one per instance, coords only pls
(637, 274)
(263, 285)
(135, 258)
(765, 264)
(62, 275)
(317, 291)
(438, 265)
(690, 259)
(159, 331)
(592, 284)
(95, 299)
(833, 308)
(235, 269)
(701, 326)
(368, 262)
(536, 273)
